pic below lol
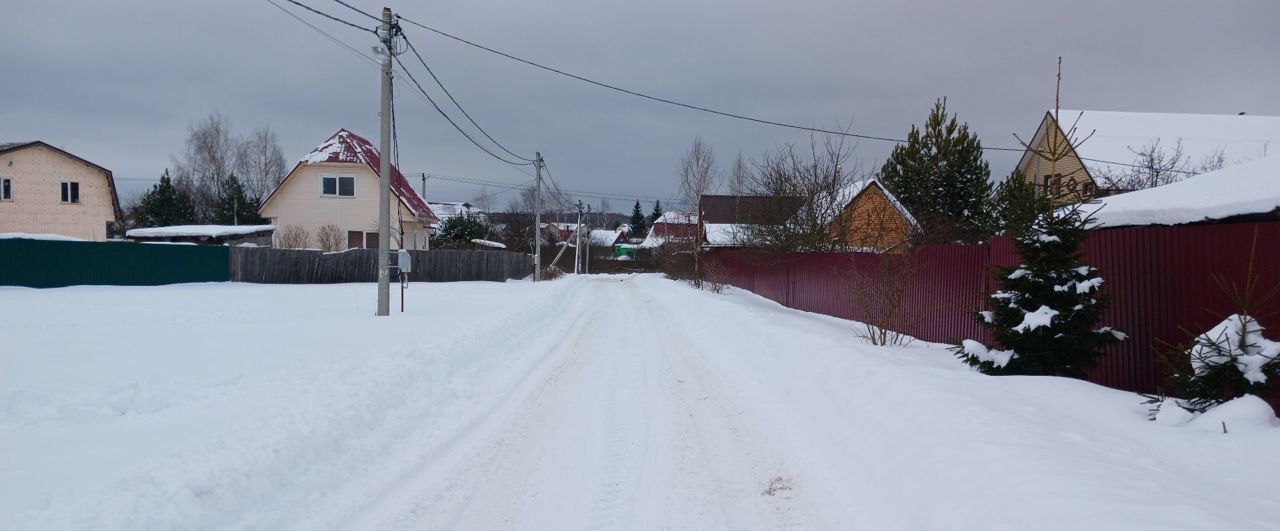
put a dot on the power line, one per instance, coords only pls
(450, 119)
(330, 17)
(358, 10)
(326, 34)
(455, 101)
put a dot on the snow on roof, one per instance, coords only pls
(605, 236)
(37, 236)
(723, 234)
(1249, 188)
(1239, 137)
(451, 209)
(488, 243)
(681, 218)
(851, 192)
(209, 231)
(345, 146)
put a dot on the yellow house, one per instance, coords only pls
(873, 219)
(45, 190)
(333, 193)
(1070, 156)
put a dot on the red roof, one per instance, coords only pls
(345, 146)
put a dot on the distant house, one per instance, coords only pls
(675, 226)
(336, 186)
(447, 210)
(1243, 192)
(873, 219)
(1108, 141)
(605, 237)
(725, 219)
(257, 235)
(45, 190)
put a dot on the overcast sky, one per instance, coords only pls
(119, 82)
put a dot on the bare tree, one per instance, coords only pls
(602, 217)
(259, 162)
(483, 201)
(739, 176)
(697, 172)
(329, 237)
(209, 158)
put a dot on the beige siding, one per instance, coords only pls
(37, 173)
(1056, 158)
(298, 202)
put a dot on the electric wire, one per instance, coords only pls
(331, 17)
(358, 10)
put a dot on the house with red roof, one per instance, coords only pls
(332, 196)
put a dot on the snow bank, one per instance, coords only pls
(35, 236)
(195, 231)
(1248, 188)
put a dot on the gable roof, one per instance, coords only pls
(1248, 189)
(854, 191)
(111, 181)
(345, 146)
(1238, 137)
(677, 218)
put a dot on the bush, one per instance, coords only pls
(293, 237)
(330, 238)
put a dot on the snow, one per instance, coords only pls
(1221, 345)
(677, 218)
(1116, 134)
(1246, 413)
(999, 358)
(488, 243)
(37, 236)
(208, 231)
(723, 234)
(604, 237)
(1043, 316)
(1248, 188)
(640, 403)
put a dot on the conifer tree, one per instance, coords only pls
(234, 206)
(657, 212)
(164, 205)
(1044, 315)
(1015, 206)
(639, 225)
(939, 175)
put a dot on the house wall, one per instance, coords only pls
(871, 221)
(37, 173)
(298, 202)
(1076, 184)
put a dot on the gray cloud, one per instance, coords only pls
(118, 82)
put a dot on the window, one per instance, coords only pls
(1089, 189)
(338, 186)
(6, 189)
(362, 240)
(71, 192)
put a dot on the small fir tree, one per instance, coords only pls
(234, 206)
(639, 225)
(164, 205)
(1045, 314)
(459, 231)
(657, 212)
(1016, 205)
(939, 175)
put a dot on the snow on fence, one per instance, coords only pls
(290, 266)
(1160, 280)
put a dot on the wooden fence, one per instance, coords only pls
(290, 266)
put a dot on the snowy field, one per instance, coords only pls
(584, 403)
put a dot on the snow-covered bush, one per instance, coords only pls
(1045, 314)
(1230, 360)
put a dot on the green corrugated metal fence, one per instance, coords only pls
(51, 264)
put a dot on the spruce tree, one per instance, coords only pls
(657, 212)
(164, 205)
(1015, 206)
(939, 175)
(233, 205)
(1044, 316)
(639, 225)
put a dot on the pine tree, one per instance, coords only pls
(1045, 313)
(657, 212)
(1015, 206)
(459, 231)
(939, 175)
(639, 225)
(164, 205)
(233, 205)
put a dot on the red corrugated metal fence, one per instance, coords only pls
(1160, 280)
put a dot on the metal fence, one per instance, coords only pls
(51, 264)
(289, 266)
(1160, 281)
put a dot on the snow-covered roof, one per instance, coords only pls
(681, 218)
(1238, 137)
(488, 243)
(37, 236)
(345, 146)
(450, 209)
(723, 234)
(852, 191)
(208, 231)
(605, 236)
(1249, 188)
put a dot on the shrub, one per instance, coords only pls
(330, 238)
(293, 237)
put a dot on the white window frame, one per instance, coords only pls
(64, 193)
(6, 189)
(337, 186)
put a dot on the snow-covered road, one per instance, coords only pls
(608, 402)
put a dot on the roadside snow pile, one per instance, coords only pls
(35, 236)
(1249, 188)
(210, 231)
